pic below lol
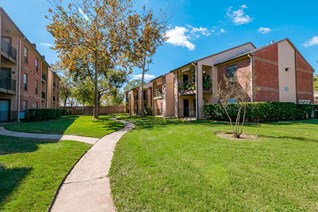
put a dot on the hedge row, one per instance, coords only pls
(43, 114)
(262, 111)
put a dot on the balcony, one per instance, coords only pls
(186, 88)
(43, 95)
(158, 94)
(8, 85)
(136, 98)
(43, 77)
(8, 50)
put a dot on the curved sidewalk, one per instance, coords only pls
(88, 140)
(87, 187)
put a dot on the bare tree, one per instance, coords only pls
(235, 91)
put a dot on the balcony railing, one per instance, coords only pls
(158, 94)
(186, 87)
(43, 95)
(7, 48)
(43, 77)
(8, 83)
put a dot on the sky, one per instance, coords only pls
(198, 28)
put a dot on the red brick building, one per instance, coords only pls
(25, 79)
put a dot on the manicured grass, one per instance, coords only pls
(31, 171)
(71, 125)
(169, 165)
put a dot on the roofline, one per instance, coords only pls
(256, 50)
(212, 55)
(12, 22)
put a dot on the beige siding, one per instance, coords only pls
(287, 79)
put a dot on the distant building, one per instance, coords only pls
(26, 80)
(278, 72)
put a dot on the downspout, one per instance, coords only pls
(251, 77)
(19, 78)
(196, 89)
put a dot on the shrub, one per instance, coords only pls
(43, 114)
(262, 111)
(65, 112)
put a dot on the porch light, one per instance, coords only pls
(287, 69)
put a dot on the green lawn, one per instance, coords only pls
(169, 165)
(70, 125)
(31, 171)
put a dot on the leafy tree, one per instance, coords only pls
(132, 84)
(90, 37)
(148, 33)
(316, 83)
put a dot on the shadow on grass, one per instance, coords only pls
(290, 137)
(55, 126)
(104, 122)
(11, 145)
(9, 180)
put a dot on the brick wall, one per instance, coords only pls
(265, 71)
(304, 79)
(29, 68)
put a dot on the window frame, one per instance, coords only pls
(232, 74)
(25, 81)
(26, 54)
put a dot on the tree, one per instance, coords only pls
(147, 33)
(90, 35)
(132, 84)
(316, 83)
(235, 91)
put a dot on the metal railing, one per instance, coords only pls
(7, 48)
(8, 83)
(185, 87)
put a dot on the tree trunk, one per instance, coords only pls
(142, 89)
(96, 105)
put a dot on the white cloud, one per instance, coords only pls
(238, 17)
(83, 14)
(264, 30)
(197, 31)
(46, 45)
(177, 37)
(147, 76)
(181, 36)
(311, 42)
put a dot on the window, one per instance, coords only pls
(36, 87)
(231, 71)
(36, 64)
(25, 82)
(25, 105)
(26, 53)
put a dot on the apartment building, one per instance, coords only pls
(276, 72)
(24, 74)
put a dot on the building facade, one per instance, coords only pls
(276, 73)
(24, 74)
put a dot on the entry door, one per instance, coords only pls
(186, 108)
(4, 110)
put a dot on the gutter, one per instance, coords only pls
(252, 76)
(19, 78)
(196, 89)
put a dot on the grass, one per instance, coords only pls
(31, 171)
(70, 125)
(170, 165)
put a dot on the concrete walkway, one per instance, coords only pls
(87, 187)
(88, 140)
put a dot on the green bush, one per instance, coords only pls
(261, 111)
(65, 112)
(43, 114)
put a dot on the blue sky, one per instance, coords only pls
(198, 28)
